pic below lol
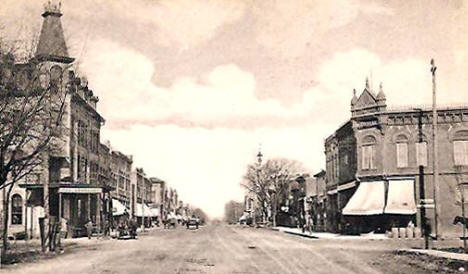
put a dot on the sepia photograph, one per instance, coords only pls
(233, 136)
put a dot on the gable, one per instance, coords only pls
(366, 99)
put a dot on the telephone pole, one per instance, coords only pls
(435, 152)
(422, 192)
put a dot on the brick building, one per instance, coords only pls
(158, 187)
(316, 199)
(72, 169)
(142, 194)
(373, 166)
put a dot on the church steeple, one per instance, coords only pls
(52, 45)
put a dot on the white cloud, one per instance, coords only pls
(122, 77)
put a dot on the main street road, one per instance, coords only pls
(225, 249)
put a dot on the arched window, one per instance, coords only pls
(16, 209)
(460, 148)
(368, 152)
(402, 151)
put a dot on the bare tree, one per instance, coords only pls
(32, 101)
(200, 214)
(270, 183)
(233, 211)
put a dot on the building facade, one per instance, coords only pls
(71, 169)
(380, 166)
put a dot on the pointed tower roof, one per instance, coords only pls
(367, 97)
(381, 95)
(52, 45)
(354, 99)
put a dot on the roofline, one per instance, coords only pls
(89, 107)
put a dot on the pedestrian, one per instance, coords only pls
(89, 228)
(63, 233)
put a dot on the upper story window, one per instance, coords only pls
(460, 152)
(460, 148)
(368, 152)
(16, 210)
(402, 151)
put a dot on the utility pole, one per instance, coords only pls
(435, 152)
(422, 194)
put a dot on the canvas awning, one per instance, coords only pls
(142, 210)
(401, 197)
(118, 208)
(369, 199)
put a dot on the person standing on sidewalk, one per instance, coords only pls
(89, 228)
(63, 233)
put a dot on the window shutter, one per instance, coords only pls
(421, 153)
(402, 154)
(458, 152)
(366, 157)
(371, 155)
(465, 153)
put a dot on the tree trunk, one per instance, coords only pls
(273, 214)
(6, 215)
(45, 173)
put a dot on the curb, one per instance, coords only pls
(302, 235)
(437, 254)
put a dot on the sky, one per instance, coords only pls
(192, 89)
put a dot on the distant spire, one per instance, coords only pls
(367, 83)
(259, 155)
(52, 45)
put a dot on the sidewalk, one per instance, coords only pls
(438, 254)
(327, 235)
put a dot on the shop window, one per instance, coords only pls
(16, 210)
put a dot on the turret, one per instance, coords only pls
(52, 46)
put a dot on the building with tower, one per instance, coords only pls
(379, 166)
(68, 184)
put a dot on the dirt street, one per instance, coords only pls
(228, 249)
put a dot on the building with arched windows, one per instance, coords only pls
(71, 169)
(379, 166)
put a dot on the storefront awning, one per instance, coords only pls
(369, 199)
(401, 197)
(118, 208)
(142, 210)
